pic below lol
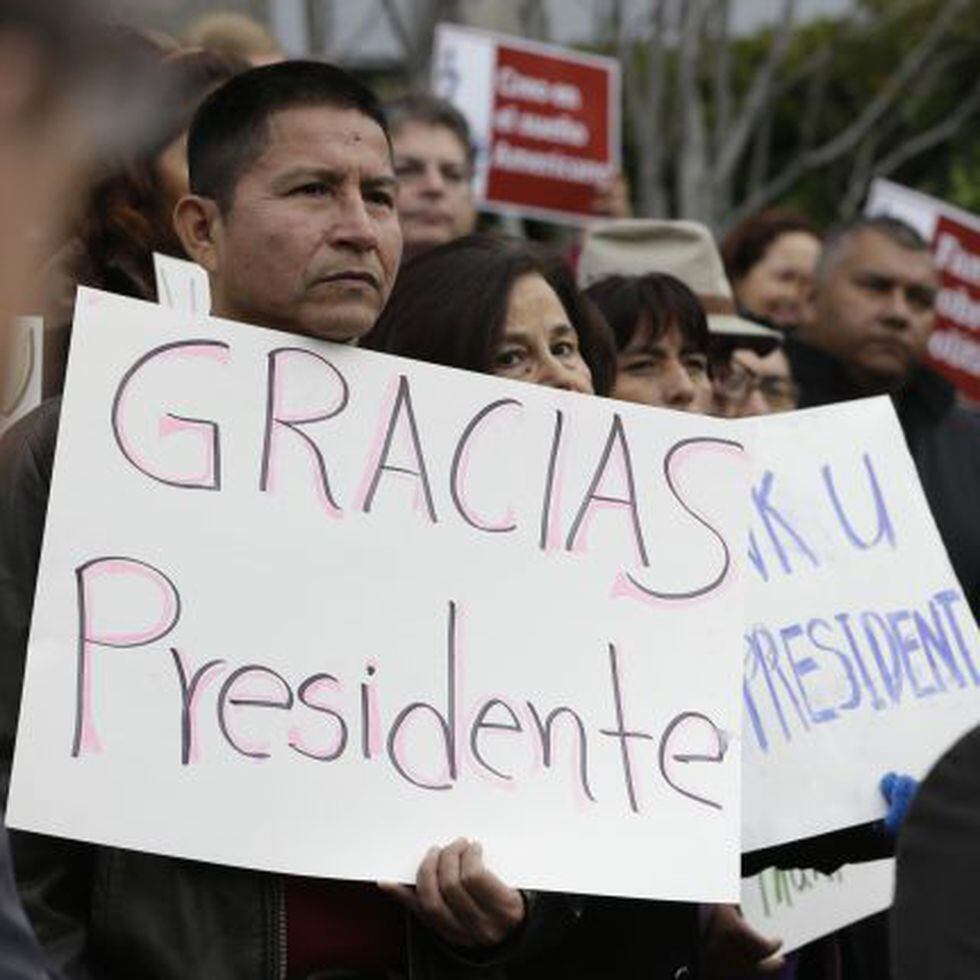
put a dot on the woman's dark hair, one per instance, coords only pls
(128, 215)
(449, 306)
(748, 241)
(654, 302)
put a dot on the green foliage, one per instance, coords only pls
(859, 56)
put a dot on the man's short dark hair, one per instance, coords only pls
(897, 231)
(430, 109)
(230, 129)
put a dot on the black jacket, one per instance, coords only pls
(934, 915)
(106, 913)
(943, 438)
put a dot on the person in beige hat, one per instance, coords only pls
(686, 251)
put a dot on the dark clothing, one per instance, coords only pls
(108, 913)
(20, 955)
(934, 916)
(943, 438)
(625, 938)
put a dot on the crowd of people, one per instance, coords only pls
(318, 211)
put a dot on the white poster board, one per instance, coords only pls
(312, 609)
(181, 285)
(800, 906)
(861, 654)
(20, 387)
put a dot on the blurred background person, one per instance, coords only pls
(127, 215)
(434, 158)
(748, 383)
(770, 259)
(59, 83)
(876, 285)
(687, 251)
(235, 35)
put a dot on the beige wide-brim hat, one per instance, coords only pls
(685, 250)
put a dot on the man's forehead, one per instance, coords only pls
(307, 134)
(872, 251)
(428, 137)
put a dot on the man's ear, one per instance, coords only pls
(197, 221)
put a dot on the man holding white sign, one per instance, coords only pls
(293, 217)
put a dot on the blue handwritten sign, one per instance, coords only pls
(860, 653)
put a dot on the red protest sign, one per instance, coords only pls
(545, 120)
(954, 347)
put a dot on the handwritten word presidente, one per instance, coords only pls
(399, 419)
(320, 730)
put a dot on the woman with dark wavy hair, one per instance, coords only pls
(126, 216)
(497, 306)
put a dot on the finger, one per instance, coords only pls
(498, 902)
(454, 893)
(432, 908)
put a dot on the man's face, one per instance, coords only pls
(435, 193)
(874, 309)
(311, 242)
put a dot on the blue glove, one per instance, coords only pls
(898, 792)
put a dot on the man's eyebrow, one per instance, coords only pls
(310, 172)
(381, 181)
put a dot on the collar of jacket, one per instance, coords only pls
(823, 381)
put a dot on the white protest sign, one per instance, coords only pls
(861, 654)
(544, 120)
(181, 285)
(801, 906)
(20, 388)
(294, 595)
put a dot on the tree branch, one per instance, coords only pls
(394, 18)
(929, 138)
(692, 159)
(758, 96)
(645, 103)
(722, 75)
(844, 142)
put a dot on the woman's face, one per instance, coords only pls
(665, 372)
(538, 344)
(779, 286)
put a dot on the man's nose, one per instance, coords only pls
(676, 385)
(353, 226)
(432, 181)
(754, 404)
(898, 311)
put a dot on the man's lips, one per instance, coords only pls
(351, 275)
(428, 217)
